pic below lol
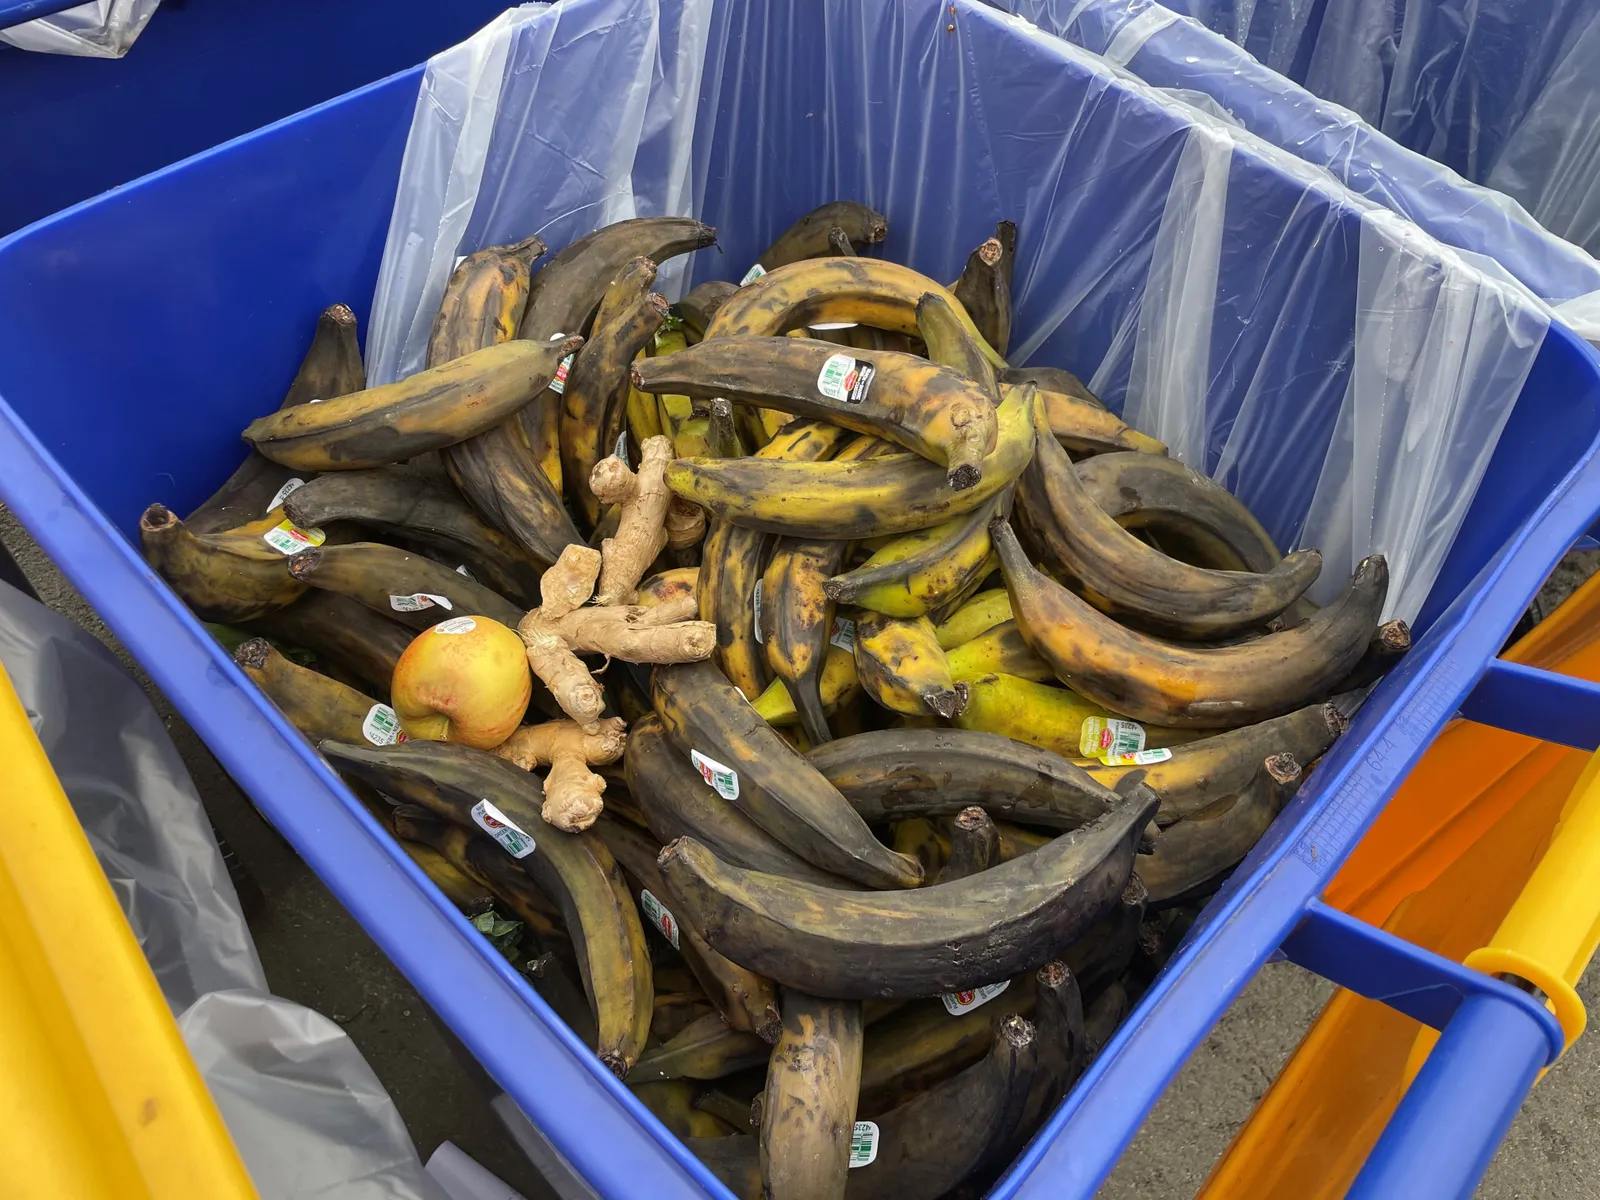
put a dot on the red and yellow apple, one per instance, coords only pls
(465, 680)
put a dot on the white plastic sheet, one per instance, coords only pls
(306, 1112)
(99, 29)
(1340, 370)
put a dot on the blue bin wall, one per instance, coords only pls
(140, 332)
(202, 72)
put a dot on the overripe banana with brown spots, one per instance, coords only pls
(414, 590)
(750, 764)
(573, 869)
(810, 236)
(917, 942)
(317, 706)
(901, 666)
(229, 576)
(483, 301)
(931, 410)
(984, 288)
(1183, 686)
(808, 1114)
(921, 571)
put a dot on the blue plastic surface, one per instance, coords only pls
(15, 12)
(199, 74)
(200, 284)
(1541, 704)
(1440, 1139)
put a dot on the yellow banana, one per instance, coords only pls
(918, 572)
(903, 669)
(998, 651)
(483, 301)
(984, 611)
(838, 684)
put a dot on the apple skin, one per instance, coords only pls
(465, 680)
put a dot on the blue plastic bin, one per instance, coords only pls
(200, 73)
(140, 331)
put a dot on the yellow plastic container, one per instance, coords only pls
(1464, 861)
(98, 1095)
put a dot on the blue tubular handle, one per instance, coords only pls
(1440, 1139)
(15, 12)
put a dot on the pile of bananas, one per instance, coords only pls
(999, 693)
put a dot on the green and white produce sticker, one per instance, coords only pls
(1101, 737)
(724, 780)
(956, 1003)
(657, 914)
(289, 488)
(288, 538)
(456, 625)
(753, 274)
(843, 634)
(864, 1144)
(418, 601)
(1139, 758)
(558, 385)
(502, 829)
(382, 727)
(845, 378)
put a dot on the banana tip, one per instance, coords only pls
(253, 654)
(1284, 768)
(991, 252)
(965, 476)
(302, 565)
(1054, 974)
(946, 702)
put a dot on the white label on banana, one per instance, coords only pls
(1100, 737)
(382, 726)
(418, 601)
(829, 326)
(1139, 758)
(558, 385)
(502, 829)
(289, 488)
(656, 913)
(621, 450)
(864, 1144)
(845, 378)
(288, 538)
(755, 609)
(724, 780)
(956, 1003)
(753, 274)
(843, 634)
(462, 570)
(456, 625)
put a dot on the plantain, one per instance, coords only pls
(1049, 379)
(1104, 952)
(1063, 1050)
(397, 502)
(331, 367)
(317, 706)
(730, 565)
(1207, 687)
(931, 410)
(676, 802)
(483, 301)
(573, 869)
(808, 1112)
(745, 1000)
(1077, 418)
(749, 764)
(230, 576)
(998, 651)
(984, 288)
(837, 685)
(1388, 646)
(565, 293)
(408, 587)
(700, 305)
(869, 291)
(434, 408)
(672, 586)
(902, 668)
(1199, 774)
(956, 1128)
(796, 619)
(342, 632)
(1104, 1016)
(812, 235)
(921, 571)
(511, 475)
(706, 1049)
(853, 500)
(465, 892)
(595, 393)
(1146, 492)
(1050, 718)
(1011, 918)
(722, 432)
(1197, 849)
(974, 617)
(950, 344)
(486, 864)
(974, 845)
(890, 774)
(1128, 579)
(670, 1101)
(732, 1110)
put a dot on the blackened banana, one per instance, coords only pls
(984, 288)
(408, 587)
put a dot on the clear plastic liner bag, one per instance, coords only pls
(1187, 61)
(1506, 92)
(307, 1114)
(99, 29)
(1293, 339)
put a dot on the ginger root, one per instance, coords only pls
(641, 529)
(560, 629)
(571, 790)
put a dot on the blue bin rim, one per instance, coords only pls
(375, 881)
